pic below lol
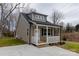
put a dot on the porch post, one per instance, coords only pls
(59, 31)
(37, 35)
(47, 34)
(53, 31)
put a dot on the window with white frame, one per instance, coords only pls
(50, 32)
(36, 16)
(43, 18)
(39, 18)
(44, 31)
(56, 31)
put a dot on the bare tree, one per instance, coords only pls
(6, 10)
(10, 12)
(69, 27)
(56, 17)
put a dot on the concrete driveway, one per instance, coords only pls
(30, 50)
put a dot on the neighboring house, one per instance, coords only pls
(35, 29)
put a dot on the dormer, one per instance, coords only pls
(38, 17)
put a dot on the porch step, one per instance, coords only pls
(41, 45)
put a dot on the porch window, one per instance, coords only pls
(56, 32)
(50, 32)
(43, 32)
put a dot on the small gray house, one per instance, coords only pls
(35, 29)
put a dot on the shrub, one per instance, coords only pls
(8, 34)
(64, 38)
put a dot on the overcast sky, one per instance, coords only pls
(70, 11)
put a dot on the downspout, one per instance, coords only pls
(30, 34)
(60, 34)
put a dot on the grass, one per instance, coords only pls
(73, 46)
(10, 41)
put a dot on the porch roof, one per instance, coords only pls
(38, 22)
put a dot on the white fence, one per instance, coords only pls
(53, 39)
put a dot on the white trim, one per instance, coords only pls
(37, 35)
(53, 32)
(48, 26)
(47, 34)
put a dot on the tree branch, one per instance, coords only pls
(12, 10)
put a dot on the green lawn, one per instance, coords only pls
(73, 46)
(9, 41)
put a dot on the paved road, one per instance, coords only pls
(30, 50)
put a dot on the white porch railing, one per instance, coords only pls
(53, 39)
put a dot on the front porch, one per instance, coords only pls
(45, 34)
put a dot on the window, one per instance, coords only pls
(42, 17)
(56, 32)
(50, 32)
(36, 16)
(39, 17)
(44, 31)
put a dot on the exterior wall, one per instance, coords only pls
(21, 31)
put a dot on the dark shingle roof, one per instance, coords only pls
(37, 22)
(37, 13)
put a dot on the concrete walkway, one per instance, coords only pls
(30, 50)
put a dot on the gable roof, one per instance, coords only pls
(37, 22)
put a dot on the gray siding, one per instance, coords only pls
(22, 27)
